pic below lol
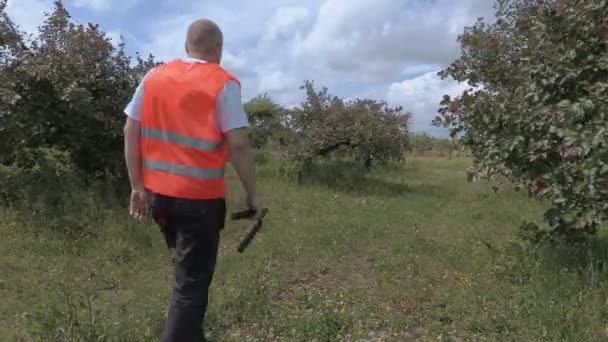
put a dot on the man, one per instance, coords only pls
(184, 121)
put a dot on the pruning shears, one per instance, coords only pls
(247, 214)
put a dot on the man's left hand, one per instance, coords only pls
(138, 207)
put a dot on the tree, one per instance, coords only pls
(449, 117)
(366, 130)
(536, 109)
(264, 117)
(65, 89)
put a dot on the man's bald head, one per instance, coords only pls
(205, 40)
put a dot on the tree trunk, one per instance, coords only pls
(452, 147)
(368, 162)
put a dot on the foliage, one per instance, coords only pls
(536, 109)
(448, 118)
(66, 89)
(45, 185)
(264, 117)
(449, 115)
(35, 175)
(324, 126)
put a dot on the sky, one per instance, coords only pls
(381, 49)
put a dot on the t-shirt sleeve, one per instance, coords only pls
(230, 108)
(133, 109)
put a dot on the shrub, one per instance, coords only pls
(536, 109)
(47, 187)
(326, 126)
(65, 89)
(264, 117)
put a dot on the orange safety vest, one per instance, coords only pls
(184, 153)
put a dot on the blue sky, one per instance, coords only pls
(382, 49)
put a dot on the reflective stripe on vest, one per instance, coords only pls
(195, 143)
(182, 170)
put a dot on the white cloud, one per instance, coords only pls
(276, 81)
(422, 95)
(95, 5)
(168, 37)
(285, 21)
(417, 69)
(378, 36)
(28, 14)
(103, 5)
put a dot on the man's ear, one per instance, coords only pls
(218, 50)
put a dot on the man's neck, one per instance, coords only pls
(202, 57)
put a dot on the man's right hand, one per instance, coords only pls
(253, 203)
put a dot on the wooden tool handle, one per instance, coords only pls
(253, 231)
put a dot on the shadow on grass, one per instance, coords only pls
(588, 255)
(355, 179)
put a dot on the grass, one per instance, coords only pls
(411, 252)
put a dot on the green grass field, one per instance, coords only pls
(407, 253)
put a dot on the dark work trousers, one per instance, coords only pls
(192, 228)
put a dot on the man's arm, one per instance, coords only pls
(233, 122)
(132, 131)
(133, 155)
(241, 156)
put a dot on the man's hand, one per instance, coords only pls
(253, 203)
(138, 208)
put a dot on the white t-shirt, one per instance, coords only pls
(230, 113)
